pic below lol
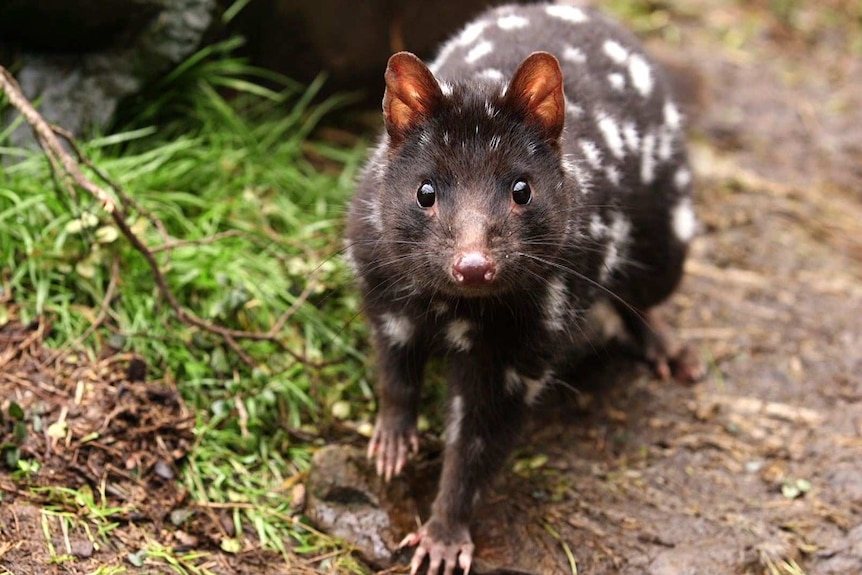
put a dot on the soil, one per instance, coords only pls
(757, 469)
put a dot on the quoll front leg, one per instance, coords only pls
(655, 341)
(486, 412)
(401, 360)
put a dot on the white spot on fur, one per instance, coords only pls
(456, 418)
(440, 308)
(446, 88)
(603, 322)
(619, 237)
(535, 387)
(350, 259)
(641, 74)
(471, 33)
(672, 117)
(532, 388)
(467, 36)
(598, 229)
(511, 22)
(555, 305)
(490, 109)
(613, 175)
(568, 13)
(372, 215)
(477, 446)
(425, 139)
(591, 153)
(512, 381)
(570, 167)
(458, 334)
(615, 51)
(479, 51)
(648, 158)
(494, 143)
(446, 137)
(491, 74)
(574, 55)
(397, 328)
(665, 144)
(611, 131)
(682, 178)
(617, 81)
(631, 136)
(683, 220)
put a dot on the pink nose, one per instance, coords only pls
(473, 269)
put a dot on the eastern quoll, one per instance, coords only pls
(532, 178)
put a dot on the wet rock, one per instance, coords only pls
(83, 73)
(347, 499)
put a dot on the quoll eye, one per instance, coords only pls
(521, 193)
(425, 195)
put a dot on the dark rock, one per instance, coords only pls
(80, 76)
(348, 500)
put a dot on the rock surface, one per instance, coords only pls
(348, 500)
(79, 67)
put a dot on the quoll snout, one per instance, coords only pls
(474, 269)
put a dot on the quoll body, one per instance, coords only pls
(530, 180)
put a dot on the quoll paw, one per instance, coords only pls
(683, 366)
(444, 548)
(390, 445)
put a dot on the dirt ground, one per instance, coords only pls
(757, 469)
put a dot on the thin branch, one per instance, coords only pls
(172, 245)
(48, 139)
(63, 163)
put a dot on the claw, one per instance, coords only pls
(465, 560)
(436, 560)
(447, 556)
(418, 558)
(390, 448)
(409, 541)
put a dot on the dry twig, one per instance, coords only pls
(68, 169)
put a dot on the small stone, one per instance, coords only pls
(83, 549)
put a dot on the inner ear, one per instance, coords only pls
(537, 90)
(412, 95)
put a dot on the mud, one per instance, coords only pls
(757, 469)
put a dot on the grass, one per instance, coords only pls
(205, 164)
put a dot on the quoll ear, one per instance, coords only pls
(412, 95)
(537, 89)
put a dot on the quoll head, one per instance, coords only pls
(475, 196)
